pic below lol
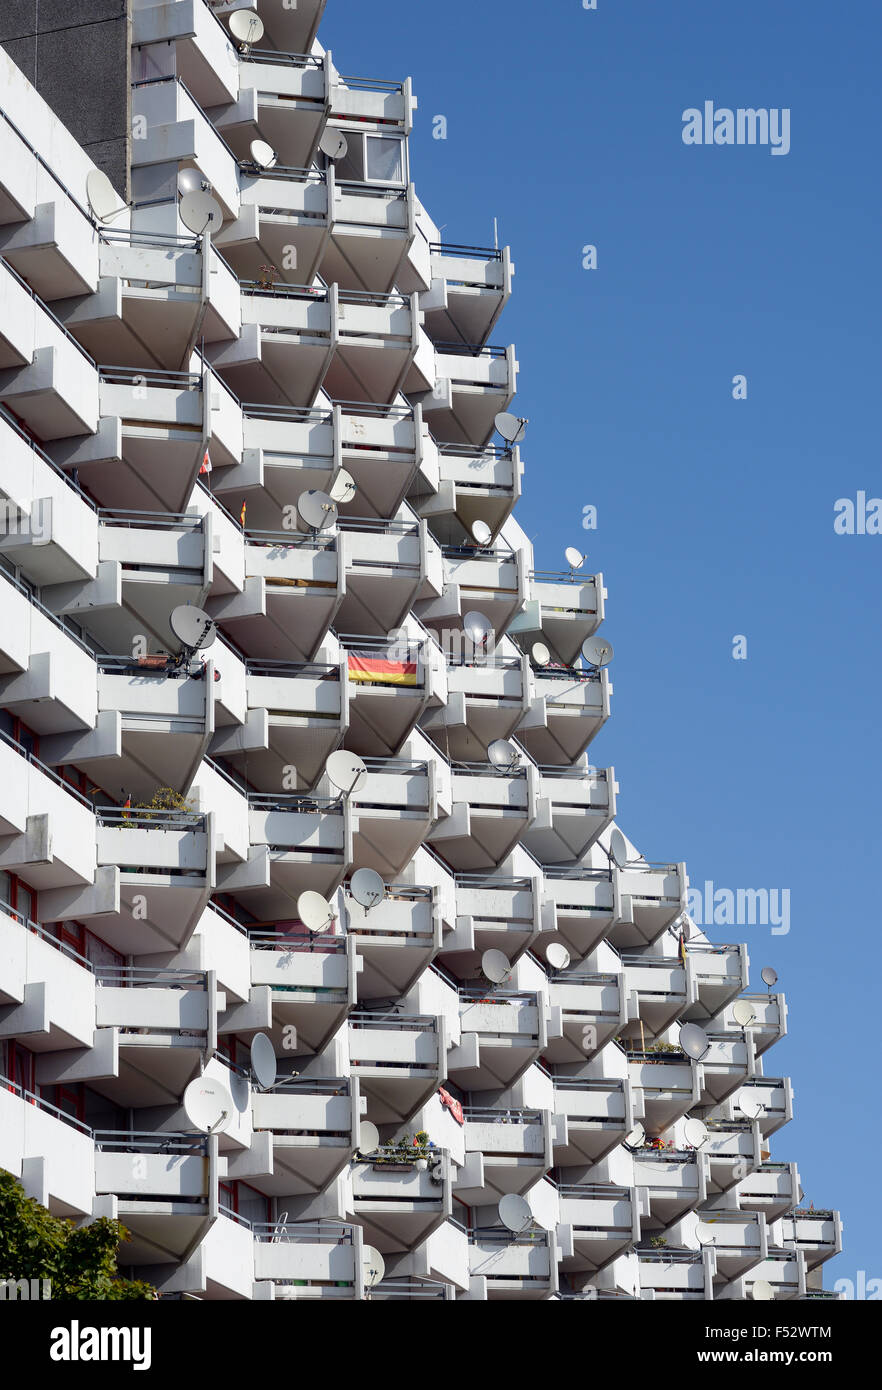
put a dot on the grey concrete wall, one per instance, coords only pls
(77, 55)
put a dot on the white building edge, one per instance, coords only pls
(139, 949)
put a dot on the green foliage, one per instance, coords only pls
(80, 1261)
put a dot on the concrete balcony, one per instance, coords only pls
(676, 1275)
(562, 610)
(297, 843)
(729, 1062)
(46, 378)
(650, 898)
(732, 1148)
(598, 1223)
(390, 684)
(290, 594)
(398, 1205)
(47, 829)
(47, 995)
(774, 1097)
(816, 1234)
(574, 806)
(598, 1114)
(311, 982)
(290, 30)
(739, 1243)
(396, 940)
(587, 1009)
(283, 99)
(515, 1148)
(674, 1183)
(772, 1188)
(715, 976)
(471, 286)
(486, 700)
(669, 1083)
(490, 813)
(504, 1031)
(50, 530)
(493, 581)
(504, 1266)
(174, 130)
(567, 708)
(585, 904)
(310, 1259)
(473, 384)
(387, 563)
(203, 54)
(497, 912)
(392, 812)
(769, 1022)
(51, 1154)
(56, 249)
(399, 1060)
(469, 485)
(659, 984)
(785, 1273)
(165, 1189)
(46, 668)
(313, 1131)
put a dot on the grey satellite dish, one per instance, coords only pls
(769, 975)
(762, 1291)
(191, 181)
(557, 956)
(343, 488)
(618, 848)
(540, 654)
(694, 1041)
(503, 754)
(347, 771)
(597, 651)
(368, 1137)
(246, 26)
(103, 198)
(496, 967)
(481, 532)
(705, 1233)
(374, 1266)
(317, 509)
(743, 1013)
(192, 627)
(477, 628)
(635, 1137)
(511, 427)
(333, 144)
(208, 1105)
(515, 1212)
(574, 558)
(367, 888)
(315, 912)
(200, 213)
(263, 1061)
(263, 155)
(749, 1105)
(695, 1133)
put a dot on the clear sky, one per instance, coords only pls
(715, 515)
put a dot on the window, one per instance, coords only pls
(383, 159)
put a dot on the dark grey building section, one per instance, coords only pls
(76, 54)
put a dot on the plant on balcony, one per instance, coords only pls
(658, 1242)
(266, 276)
(164, 799)
(405, 1151)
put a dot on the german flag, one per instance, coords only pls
(367, 666)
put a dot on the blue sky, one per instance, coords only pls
(715, 516)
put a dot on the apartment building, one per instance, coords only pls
(326, 966)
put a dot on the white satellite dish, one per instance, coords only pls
(769, 975)
(315, 912)
(597, 651)
(246, 26)
(346, 771)
(192, 627)
(749, 1105)
(208, 1105)
(374, 1266)
(694, 1041)
(200, 212)
(343, 488)
(705, 1233)
(477, 628)
(511, 427)
(574, 558)
(557, 955)
(263, 1061)
(103, 198)
(368, 1137)
(618, 848)
(317, 509)
(496, 967)
(263, 155)
(515, 1212)
(743, 1013)
(503, 754)
(762, 1290)
(367, 888)
(481, 532)
(333, 143)
(695, 1133)
(635, 1137)
(190, 181)
(540, 654)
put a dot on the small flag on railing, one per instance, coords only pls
(242, 514)
(206, 463)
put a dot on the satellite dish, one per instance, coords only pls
(263, 1061)
(705, 1233)
(103, 198)
(597, 651)
(743, 1013)
(761, 1290)
(333, 143)
(515, 1212)
(694, 1041)
(769, 975)
(695, 1133)
(496, 967)
(540, 654)
(315, 912)
(635, 1137)
(346, 771)
(477, 628)
(200, 212)
(504, 754)
(574, 558)
(368, 1137)
(208, 1105)
(481, 532)
(264, 155)
(343, 488)
(192, 627)
(367, 888)
(246, 26)
(749, 1105)
(618, 848)
(557, 955)
(511, 427)
(190, 181)
(317, 509)
(374, 1266)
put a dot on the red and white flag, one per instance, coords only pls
(206, 463)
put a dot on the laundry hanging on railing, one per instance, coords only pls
(368, 666)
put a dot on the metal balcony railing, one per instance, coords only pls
(320, 943)
(287, 60)
(65, 625)
(145, 818)
(449, 248)
(39, 930)
(327, 1232)
(144, 1141)
(145, 977)
(22, 433)
(449, 349)
(482, 1114)
(7, 1083)
(152, 521)
(137, 376)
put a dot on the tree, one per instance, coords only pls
(80, 1261)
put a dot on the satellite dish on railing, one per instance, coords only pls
(635, 1137)
(333, 143)
(246, 27)
(557, 955)
(367, 888)
(192, 627)
(504, 755)
(200, 213)
(477, 628)
(597, 651)
(368, 1137)
(104, 201)
(511, 427)
(761, 1290)
(347, 771)
(769, 976)
(481, 532)
(263, 154)
(317, 509)
(374, 1266)
(208, 1105)
(343, 487)
(705, 1234)
(496, 967)
(574, 558)
(618, 849)
(515, 1212)
(540, 654)
(191, 181)
(749, 1105)
(695, 1133)
(743, 1013)
(315, 912)
(263, 1061)
(694, 1041)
